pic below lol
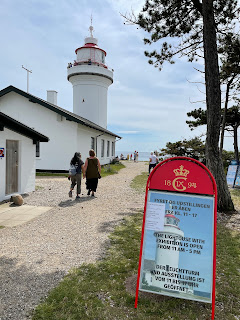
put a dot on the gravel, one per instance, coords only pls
(35, 256)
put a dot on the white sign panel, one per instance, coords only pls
(155, 216)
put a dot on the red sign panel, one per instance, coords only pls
(182, 176)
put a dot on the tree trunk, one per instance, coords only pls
(213, 99)
(235, 137)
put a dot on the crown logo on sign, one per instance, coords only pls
(181, 172)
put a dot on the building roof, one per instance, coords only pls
(16, 126)
(92, 46)
(67, 114)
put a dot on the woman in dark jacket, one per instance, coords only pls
(76, 179)
(92, 169)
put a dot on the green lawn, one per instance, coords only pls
(98, 291)
(107, 170)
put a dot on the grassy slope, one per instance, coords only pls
(98, 291)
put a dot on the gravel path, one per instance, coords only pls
(35, 256)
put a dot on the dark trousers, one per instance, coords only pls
(151, 165)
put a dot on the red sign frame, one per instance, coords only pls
(182, 175)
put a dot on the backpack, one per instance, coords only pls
(72, 170)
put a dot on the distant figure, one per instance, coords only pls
(92, 169)
(131, 157)
(152, 162)
(135, 156)
(128, 157)
(76, 179)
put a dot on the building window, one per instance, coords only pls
(113, 149)
(93, 143)
(102, 148)
(108, 148)
(37, 149)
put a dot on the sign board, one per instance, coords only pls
(231, 174)
(237, 178)
(1, 152)
(178, 245)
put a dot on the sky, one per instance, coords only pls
(146, 107)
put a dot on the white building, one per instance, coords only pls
(17, 157)
(82, 130)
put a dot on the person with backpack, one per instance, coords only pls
(76, 170)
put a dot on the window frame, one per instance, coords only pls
(102, 148)
(93, 143)
(108, 149)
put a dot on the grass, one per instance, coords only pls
(51, 174)
(1, 227)
(110, 169)
(139, 182)
(235, 194)
(106, 171)
(98, 292)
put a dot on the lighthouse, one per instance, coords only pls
(168, 245)
(90, 78)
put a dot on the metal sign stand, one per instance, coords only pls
(181, 176)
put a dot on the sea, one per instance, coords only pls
(142, 156)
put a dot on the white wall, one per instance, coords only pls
(66, 137)
(26, 167)
(90, 97)
(84, 143)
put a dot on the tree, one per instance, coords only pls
(232, 122)
(229, 72)
(196, 23)
(193, 148)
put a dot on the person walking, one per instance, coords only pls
(78, 164)
(135, 156)
(152, 162)
(92, 169)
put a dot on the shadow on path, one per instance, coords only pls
(73, 201)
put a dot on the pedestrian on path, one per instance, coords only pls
(78, 164)
(152, 162)
(92, 168)
(135, 156)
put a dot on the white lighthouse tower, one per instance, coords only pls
(90, 78)
(167, 249)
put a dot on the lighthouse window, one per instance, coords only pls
(169, 220)
(175, 222)
(103, 57)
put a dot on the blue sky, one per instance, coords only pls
(146, 107)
